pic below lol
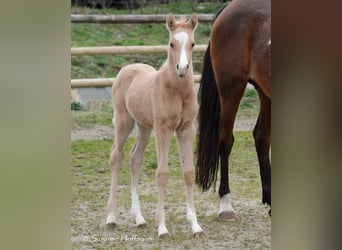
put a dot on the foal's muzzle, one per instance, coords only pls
(182, 70)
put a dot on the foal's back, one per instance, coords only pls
(132, 92)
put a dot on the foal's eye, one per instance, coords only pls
(171, 45)
(193, 44)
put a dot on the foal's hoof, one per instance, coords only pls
(111, 226)
(164, 236)
(199, 234)
(143, 225)
(226, 215)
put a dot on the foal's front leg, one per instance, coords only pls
(163, 136)
(185, 141)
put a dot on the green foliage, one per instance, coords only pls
(76, 105)
(100, 113)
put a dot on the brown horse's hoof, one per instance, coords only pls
(226, 215)
(111, 226)
(199, 234)
(164, 236)
(143, 225)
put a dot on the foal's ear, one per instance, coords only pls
(170, 22)
(192, 22)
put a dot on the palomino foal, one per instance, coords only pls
(165, 101)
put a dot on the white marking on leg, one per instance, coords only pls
(160, 215)
(191, 216)
(115, 161)
(136, 210)
(162, 229)
(182, 37)
(225, 205)
(111, 218)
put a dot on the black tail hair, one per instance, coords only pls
(209, 127)
(209, 121)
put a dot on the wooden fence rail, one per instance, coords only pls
(77, 18)
(119, 50)
(103, 82)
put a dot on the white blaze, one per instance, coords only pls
(182, 37)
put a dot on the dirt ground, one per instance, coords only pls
(250, 230)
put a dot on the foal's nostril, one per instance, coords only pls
(187, 66)
(177, 66)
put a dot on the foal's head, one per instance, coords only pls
(181, 43)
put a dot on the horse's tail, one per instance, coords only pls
(209, 126)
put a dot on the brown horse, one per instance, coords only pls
(165, 101)
(239, 52)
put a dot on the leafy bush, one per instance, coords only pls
(77, 105)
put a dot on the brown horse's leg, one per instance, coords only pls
(137, 158)
(124, 124)
(262, 137)
(226, 211)
(163, 136)
(231, 91)
(185, 139)
(230, 60)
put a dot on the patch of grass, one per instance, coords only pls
(90, 177)
(93, 34)
(181, 7)
(250, 99)
(96, 113)
(249, 105)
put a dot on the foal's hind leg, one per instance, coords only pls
(124, 124)
(262, 137)
(185, 141)
(137, 158)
